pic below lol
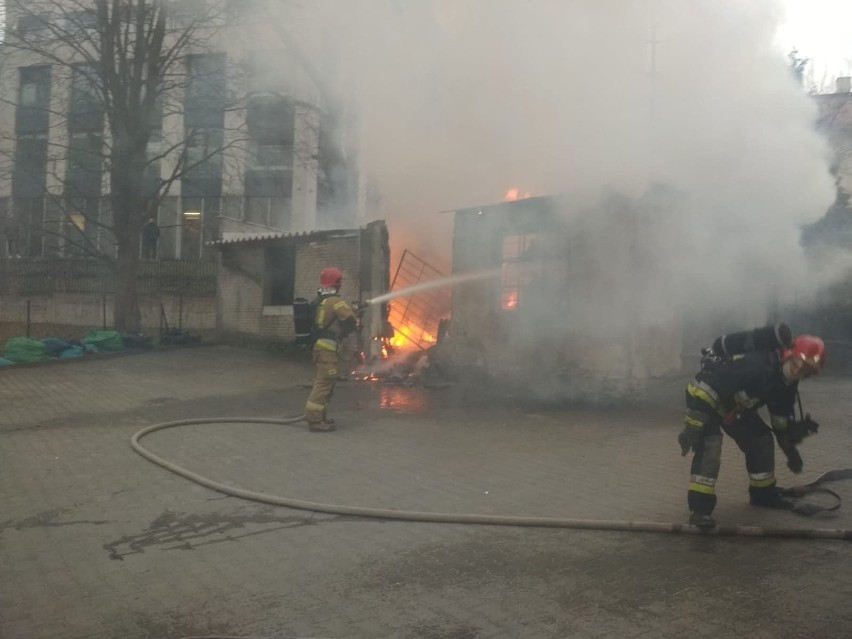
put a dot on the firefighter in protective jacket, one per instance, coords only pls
(333, 320)
(726, 398)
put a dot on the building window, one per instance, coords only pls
(85, 165)
(192, 221)
(85, 112)
(29, 227)
(280, 276)
(519, 262)
(204, 121)
(232, 207)
(32, 113)
(7, 230)
(271, 119)
(80, 21)
(199, 226)
(203, 150)
(268, 198)
(29, 178)
(205, 92)
(270, 156)
(155, 148)
(203, 161)
(33, 24)
(326, 163)
(268, 187)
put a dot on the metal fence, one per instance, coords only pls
(417, 316)
(47, 276)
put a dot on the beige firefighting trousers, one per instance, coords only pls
(326, 375)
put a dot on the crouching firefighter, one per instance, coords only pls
(741, 373)
(333, 319)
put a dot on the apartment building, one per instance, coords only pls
(255, 130)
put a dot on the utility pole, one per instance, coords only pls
(653, 42)
(653, 75)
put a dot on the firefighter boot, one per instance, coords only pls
(321, 427)
(702, 521)
(770, 497)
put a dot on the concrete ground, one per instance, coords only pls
(97, 542)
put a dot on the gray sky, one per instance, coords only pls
(822, 31)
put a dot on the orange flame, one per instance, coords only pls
(516, 194)
(408, 335)
(510, 300)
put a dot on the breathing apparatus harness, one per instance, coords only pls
(322, 332)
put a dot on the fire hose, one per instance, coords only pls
(813, 487)
(816, 486)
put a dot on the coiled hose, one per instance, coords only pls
(455, 518)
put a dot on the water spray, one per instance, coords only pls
(449, 280)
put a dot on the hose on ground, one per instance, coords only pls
(454, 518)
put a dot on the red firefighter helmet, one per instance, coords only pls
(331, 277)
(810, 349)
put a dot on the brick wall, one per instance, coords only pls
(241, 284)
(313, 257)
(240, 291)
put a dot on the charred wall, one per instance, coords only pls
(562, 313)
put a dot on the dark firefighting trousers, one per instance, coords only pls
(326, 362)
(753, 437)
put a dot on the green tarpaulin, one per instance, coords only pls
(104, 340)
(24, 350)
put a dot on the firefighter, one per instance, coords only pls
(333, 320)
(726, 399)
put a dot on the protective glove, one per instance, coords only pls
(794, 460)
(797, 430)
(689, 439)
(788, 447)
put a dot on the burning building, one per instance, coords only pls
(572, 302)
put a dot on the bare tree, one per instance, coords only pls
(798, 66)
(130, 64)
(834, 121)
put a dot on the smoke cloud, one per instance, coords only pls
(461, 100)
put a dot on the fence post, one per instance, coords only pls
(28, 319)
(103, 307)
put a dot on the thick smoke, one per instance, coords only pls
(463, 100)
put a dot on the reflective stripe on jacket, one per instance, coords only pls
(331, 316)
(745, 384)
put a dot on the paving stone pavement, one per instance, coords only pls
(96, 541)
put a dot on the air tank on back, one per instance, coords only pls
(772, 337)
(302, 320)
